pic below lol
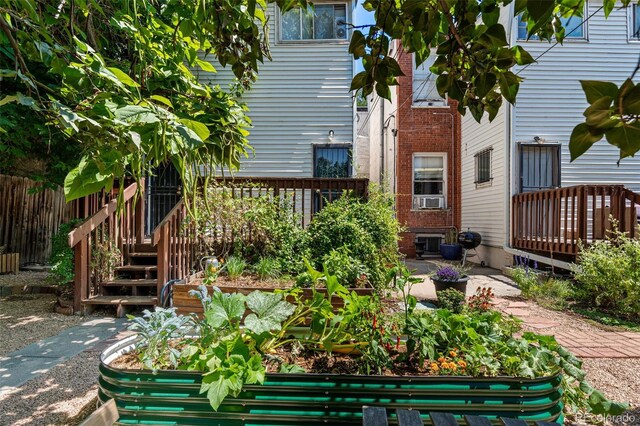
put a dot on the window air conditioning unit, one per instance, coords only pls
(430, 202)
(341, 28)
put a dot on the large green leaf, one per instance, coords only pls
(582, 138)
(626, 137)
(85, 179)
(225, 308)
(599, 113)
(596, 90)
(136, 114)
(269, 310)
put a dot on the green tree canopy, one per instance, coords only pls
(474, 63)
(115, 76)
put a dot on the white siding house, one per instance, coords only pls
(301, 98)
(529, 141)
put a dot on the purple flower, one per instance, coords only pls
(447, 273)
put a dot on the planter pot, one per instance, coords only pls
(460, 285)
(172, 397)
(187, 304)
(451, 251)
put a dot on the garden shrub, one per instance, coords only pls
(254, 226)
(368, 228)
(608, 275)
(547, 290)
(349, 270)
(451, 299)
(61, 259)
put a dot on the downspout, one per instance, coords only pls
(382, 144)
(509, 136)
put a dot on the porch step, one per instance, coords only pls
(137, 268)
(143, 254)
(126, 282)
(144, 248)
(120, 302)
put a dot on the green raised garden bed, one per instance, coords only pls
(172, 397)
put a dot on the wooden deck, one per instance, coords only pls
(557, 221)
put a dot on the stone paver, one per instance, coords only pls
(604, 344)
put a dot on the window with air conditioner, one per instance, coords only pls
(425, 93)
(429, 181)
(322, 22)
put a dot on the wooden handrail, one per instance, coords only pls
(155, 237)
(79, 233)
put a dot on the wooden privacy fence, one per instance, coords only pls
(554, 221)
(29, 217)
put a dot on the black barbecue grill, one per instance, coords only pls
(469, 240)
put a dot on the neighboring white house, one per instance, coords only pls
(526, 147)
(302, 111)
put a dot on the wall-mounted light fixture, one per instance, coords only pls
(331, 134)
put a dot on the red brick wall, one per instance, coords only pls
(423, 130)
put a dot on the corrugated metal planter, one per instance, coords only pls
(172, 397)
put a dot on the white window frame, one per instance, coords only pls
(630, 24)
(436, 101)
(476, 159)
(345, 40)
(442, 155)
(572, 39)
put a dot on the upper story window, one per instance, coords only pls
(429, 181)
(573, 28)
(425, 93)
(634, 22)
(483, 167)
(323, 22)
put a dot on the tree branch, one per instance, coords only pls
(452, 27)
(14, 45)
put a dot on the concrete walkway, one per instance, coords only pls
(36, 359)
(478, 277)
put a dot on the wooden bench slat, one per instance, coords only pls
(477, 421)
(512, 422)
(374, 416)
(106, 415)
(409, 418)
(443, 419)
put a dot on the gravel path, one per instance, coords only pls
(63, 396)
(27, 318)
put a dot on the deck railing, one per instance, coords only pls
(554, 221)
(174, 242)
(120, 229)
(307, 195)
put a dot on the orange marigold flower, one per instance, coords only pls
(434, 367)
(441, 359)
(462, 364)
(453, 366)
(453, 353)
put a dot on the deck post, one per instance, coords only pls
(81, 279)
(163, 259)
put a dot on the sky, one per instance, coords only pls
(362, 17)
